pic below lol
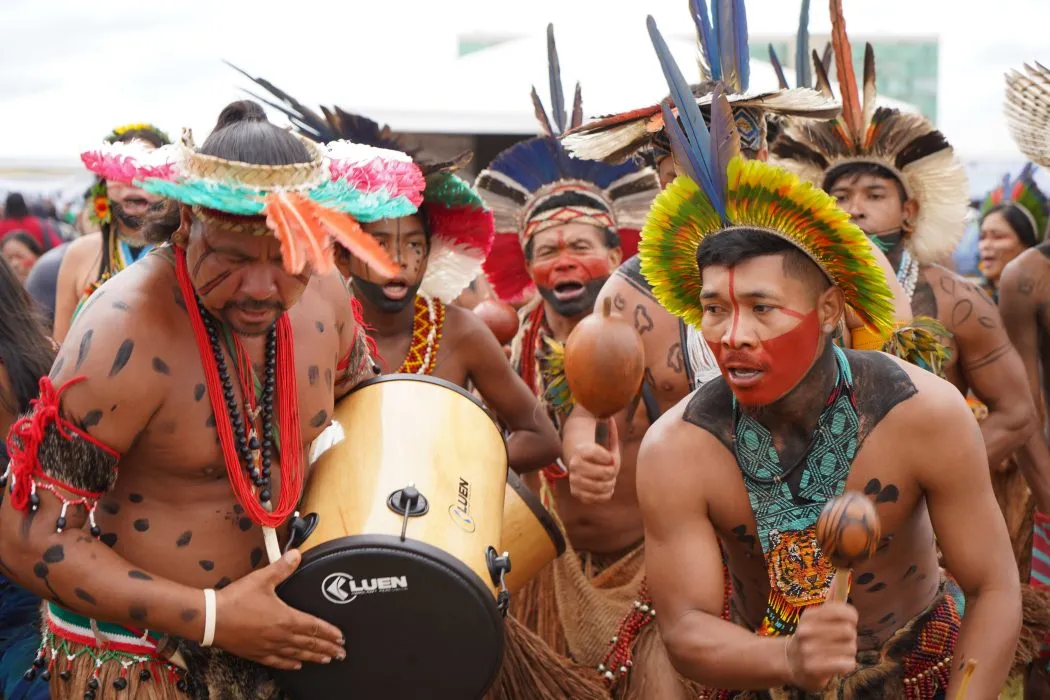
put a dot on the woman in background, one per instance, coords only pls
(21, 251)
(26, 354)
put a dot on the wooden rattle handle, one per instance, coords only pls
(601, 432)
(838, 592)
(967, 674)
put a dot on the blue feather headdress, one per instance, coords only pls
(719, 190)
(524, 178)
(724, 58)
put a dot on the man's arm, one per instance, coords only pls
(684, 565)
(69, 566)
(1019, 294)
(993, 370)
(533, 442)
(952, 470)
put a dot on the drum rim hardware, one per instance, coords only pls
(499, 566)
(536, 506)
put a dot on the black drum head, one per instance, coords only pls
(418, 623)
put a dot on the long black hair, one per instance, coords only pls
(25, 349)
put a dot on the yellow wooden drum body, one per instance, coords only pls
(530, 534)
(415, 595)
(405, 431)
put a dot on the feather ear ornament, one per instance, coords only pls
(721, 191)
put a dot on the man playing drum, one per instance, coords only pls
(768, 265)
(438, 251)
(203, 373)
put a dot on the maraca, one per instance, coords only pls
(848, 532)
(500, 317)
(604, 366)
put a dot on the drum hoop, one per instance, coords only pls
(426, 379)
(536, 506)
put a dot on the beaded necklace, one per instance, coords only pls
(240, 441)
(428, 320)
(786, 502)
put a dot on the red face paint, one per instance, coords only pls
(567, 265)
(780, 362)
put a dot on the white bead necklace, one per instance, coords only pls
(424, 368)
(908, 274)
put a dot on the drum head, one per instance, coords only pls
(418, 623)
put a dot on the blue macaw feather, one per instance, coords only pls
(803, 74)
(708, 41)
(693, 132)
(554, 70)
(742, 60)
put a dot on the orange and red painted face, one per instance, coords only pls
(764, 327)
(569, 264)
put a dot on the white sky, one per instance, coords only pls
(70, 70)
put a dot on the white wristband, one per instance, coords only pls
(209, 617)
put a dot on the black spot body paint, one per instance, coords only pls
(135, 497)
(865, 579)
(886, 618)
(188, 615)
(877, 587)
(911, 570)
(257, 555)
(313, 374)
(121, 306)
(245, 524)
(140, 575)
(85, 348)
(328, 377)
(319, 419)
(91, 419)
(85, 596)
(238, 509)
(137, 613)
(111, 507)
(54, 554)
(184, 539)
(319, 326)
(109, 539)
(160, 366)
(122, 358)
(57, 367)
(198, 392)
(206, 564)
(210, 423)
(40, 570)
(142, 524)
(222, 583)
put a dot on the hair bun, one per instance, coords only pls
(240, 111)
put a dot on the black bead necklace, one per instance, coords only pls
(253, 454)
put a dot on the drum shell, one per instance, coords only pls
(398, 430)
(530, 534)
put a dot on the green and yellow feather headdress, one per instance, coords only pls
(721, 191)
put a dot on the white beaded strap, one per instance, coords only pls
(209, 617)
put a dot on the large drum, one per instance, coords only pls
(408, 484)
(530, 534)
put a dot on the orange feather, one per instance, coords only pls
(313, 240)
(278, 221)
(348, 233)
(852, 112)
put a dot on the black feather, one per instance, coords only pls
(925, 145)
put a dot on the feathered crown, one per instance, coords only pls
(907, 145)
(1028, 111)
(723, 56)
(530, 174)
(460, 225)
(721, 191)
(119, 132)
(305, 205)
(1024, 195)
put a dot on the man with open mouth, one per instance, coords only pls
(563, 224)
(437, 252)
(124, 214)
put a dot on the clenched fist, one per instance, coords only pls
(823, 646)
(593, 470)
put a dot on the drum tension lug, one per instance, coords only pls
(499, 567)
(300, 528)
(408, 502)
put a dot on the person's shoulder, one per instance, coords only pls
(83, 248)
(678, 437)
(709, 408)
(627, 279)
(143, 300)
(464, 324)
(925, 401)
